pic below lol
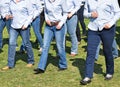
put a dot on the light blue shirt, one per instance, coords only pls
(37, 6)
(0, 8)
(73, 6)
(108, 12)
(22, 13)
(5, 7)
(55, 11)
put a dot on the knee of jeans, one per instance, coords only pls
(12, 42)
(61, 48)
(28, 44)
(0, 32)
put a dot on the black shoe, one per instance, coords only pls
(62, 69)
(35, 69)
(38, 71)
(85, 81)
(108, 77)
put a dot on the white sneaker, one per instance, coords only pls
(78, 42)
(86, 79)
(108, 76)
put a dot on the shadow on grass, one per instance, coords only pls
(5, 41)
(1, 50)
(118, 35)
(67, 48)
(80, 64)
(35, 45)
(21, 56)
(54, 60)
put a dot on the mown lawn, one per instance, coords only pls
(21, 76)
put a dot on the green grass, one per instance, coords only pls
(21, 76)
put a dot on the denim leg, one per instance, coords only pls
(107, 37)
(71, 28)
(36, 28)
(2, 25)
(78, 32)
(13, 34)
(48, 35)
(114, 49)
(25, 38)
(97, 51)
(22, 47)
(8, 25)
(81, 19)
(92, 44)
(60, 38)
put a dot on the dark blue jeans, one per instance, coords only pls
(114, 50)
(94, 38)
(81, 19)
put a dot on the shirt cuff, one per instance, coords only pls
(61, 23)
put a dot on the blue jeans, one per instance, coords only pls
(114, 50)
(36, 28)
(71, 29)
(49, 33)
(3, 23)
(94, 38)
(12, 45)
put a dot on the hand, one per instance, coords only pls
(58, 26)
(107, 26)
(48, 22)
(8, 17)
(23, 27)
(69, 15)
(94, 14)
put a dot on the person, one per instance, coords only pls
(3, 21)
(22, 15)
(82, 23)
(55, 18)
(81, 18)
(103, 15)
(71, 23)
(37, 6)
(114, 50)
(42, 19)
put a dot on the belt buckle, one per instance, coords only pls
(52, 23)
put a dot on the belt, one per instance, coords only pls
(54, 23)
